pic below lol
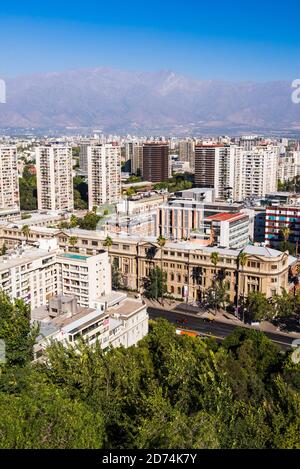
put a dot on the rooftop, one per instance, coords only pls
(261, 251)
(226, 216)
(127, 307)
(22, 257)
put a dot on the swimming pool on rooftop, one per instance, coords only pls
(75, 256)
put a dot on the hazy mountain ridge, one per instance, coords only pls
(116, 100)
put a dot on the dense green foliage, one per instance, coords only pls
(15, 330)
(28, 190)
(155, 285)
(178, 182)
(80, 190)
(293, 185)
(285, 306)
(169, 391)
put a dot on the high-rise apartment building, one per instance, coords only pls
(9, 184)
(83, 164)
(214, 167)
(256, 172)
(156, 167)
(288, 166)
(187, 152)
(54, 177)
(104, 174)
(137, 158)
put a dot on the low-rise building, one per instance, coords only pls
(229, 230)
(123, 323)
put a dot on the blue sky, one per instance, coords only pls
(257, 40)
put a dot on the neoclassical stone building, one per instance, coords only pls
(189, 267)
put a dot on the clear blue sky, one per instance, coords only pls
(255, 40)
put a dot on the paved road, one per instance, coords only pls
(217, 329)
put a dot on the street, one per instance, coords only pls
(215, 328)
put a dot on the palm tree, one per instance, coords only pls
(161, 241)
(26, 231)
(285, 232)
(108, 242)
(73, 241)
(242, 261)
(214, 257)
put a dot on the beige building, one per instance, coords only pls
(9, 182)
(187, 264)
(54, 177)
(104, 174)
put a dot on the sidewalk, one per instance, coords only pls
(220, 316)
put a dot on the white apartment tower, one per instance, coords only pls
(256, 172)
(104, 174)
(288, 166)
(214, 167)
(9, 184)
(54, 177)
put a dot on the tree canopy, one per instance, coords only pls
(169, 391)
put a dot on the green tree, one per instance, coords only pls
(214, 258)
(80, 190)
(108, 242)
(16, 331)
(283, 305)
(130, 191)
(258, 307)
(155, 285)
(3, 249)
(89, 221)
(25, 231)
(73, 241)
(217, 296)
(28, 189)
(43, 416)
(73, 221)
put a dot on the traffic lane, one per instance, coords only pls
(215, 327)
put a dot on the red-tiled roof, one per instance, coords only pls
(226, 216)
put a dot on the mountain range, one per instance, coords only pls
(146, 103)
